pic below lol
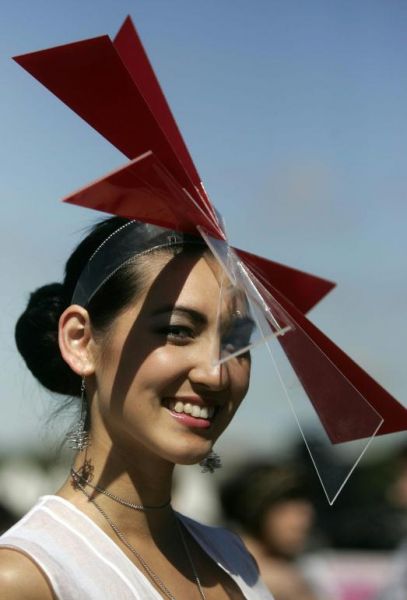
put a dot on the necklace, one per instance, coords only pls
(78, 477)
(160, 584)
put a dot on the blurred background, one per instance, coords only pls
(294, 113)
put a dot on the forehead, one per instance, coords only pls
(192, 279)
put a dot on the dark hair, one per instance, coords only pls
(247, 497)
(36, 331)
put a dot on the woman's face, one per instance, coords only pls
(157, 388)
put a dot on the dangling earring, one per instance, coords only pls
(211, 462)
(78, 438)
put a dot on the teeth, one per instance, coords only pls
(204, 413)
(199, 412)
(196, 411)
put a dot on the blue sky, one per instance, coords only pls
(294, 113)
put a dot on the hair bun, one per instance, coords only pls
(36, 336)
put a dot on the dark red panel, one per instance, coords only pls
(302, 289)
(90, 77)
(131, 51)
(146, 191)
(303, 352)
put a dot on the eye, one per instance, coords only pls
(238, 335)
(178, 334)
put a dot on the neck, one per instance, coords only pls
(145, 481)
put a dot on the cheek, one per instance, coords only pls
(162, 368)
(240, 378)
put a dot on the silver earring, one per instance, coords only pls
(78, 438)
(211, 463)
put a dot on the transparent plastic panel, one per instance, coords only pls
(245, 318)
(334, 418)
(335, 421)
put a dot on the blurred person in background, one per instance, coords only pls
(398, 489)
(269, 505)
(396, 587)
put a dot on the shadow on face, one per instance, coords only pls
(167, 341)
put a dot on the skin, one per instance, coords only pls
(160, 347)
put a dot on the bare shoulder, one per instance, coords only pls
(21, 578)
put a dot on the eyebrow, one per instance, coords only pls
(195, 315)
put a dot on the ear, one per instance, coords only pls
(76, 341)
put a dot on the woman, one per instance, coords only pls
(142, 351)
(137, 341)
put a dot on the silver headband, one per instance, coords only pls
(132, 239)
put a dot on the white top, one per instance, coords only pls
(81, 561)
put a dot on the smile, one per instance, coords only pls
(190, 413)
(199, 412)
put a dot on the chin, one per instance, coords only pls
(190, 460)
(189, 454)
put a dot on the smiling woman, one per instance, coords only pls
(152, 329)
(140, 351)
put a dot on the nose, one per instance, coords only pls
(207, 374)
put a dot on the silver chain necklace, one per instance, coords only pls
(78, 477)
(160, 584)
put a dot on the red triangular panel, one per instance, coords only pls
(90, 77)
(304, 358)
(302, 289)
(134, 57)
(144, 190)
